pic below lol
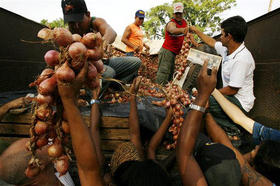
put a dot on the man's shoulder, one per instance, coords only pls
(245, 55)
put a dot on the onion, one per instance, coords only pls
(92, 72)
(52, 57)
(62, 165)
(65, 73)
(178, 106)
(46, 73)
(76, 37)
(92, 84)
(65, 127)
(55, 150)
(62, 36)
(41, 127)
(77, 64)
(44, 112)
(44, 99)
(77, 50)
(45, 34)
(47, 86)
(173, 101)
(99, 65)
(95, 54)
(89, 40)
(32, 171)
(42, 141)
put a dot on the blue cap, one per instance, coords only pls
(140, 14)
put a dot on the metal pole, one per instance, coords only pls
(270, 4)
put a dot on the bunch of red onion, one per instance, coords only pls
(49, 126)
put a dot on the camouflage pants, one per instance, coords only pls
(166, 66)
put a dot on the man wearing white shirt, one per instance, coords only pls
(237, 69)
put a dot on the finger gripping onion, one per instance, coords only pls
(65, 73)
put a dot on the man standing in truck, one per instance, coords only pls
(237, 72)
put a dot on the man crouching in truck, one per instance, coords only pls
(237, 71)
(81, 22)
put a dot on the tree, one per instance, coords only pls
(202, 13)
(56, 23)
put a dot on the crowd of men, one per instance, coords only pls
(204, 157)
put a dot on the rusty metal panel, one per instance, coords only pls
(263, 40)
(20, 61)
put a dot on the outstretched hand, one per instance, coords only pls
(72, 90)
(18, 103)
(135, 85)
(206, 83)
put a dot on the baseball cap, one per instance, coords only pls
(73, 10)
(218, 162)
(140, 14)
(178, 7)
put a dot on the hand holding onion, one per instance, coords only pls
(71, 89)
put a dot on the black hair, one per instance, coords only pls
(141, 173)
(267, 160)
(236, 26)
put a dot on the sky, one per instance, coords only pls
(120, 13)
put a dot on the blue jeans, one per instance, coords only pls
(121, 68)
(262, 133)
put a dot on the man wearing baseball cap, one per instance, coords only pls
(133, 35)
(175, 31)
(79, 21)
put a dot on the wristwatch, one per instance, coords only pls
(196, 107)
(93, 101)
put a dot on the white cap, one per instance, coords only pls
(178, 7)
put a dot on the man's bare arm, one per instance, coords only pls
(229, 91)
(172, 29)
(190, 171)
(108, 33)
(207, 39)
(234, 112)
(250, 177)
(157, 137)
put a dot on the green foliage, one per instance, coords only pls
(202, 13)
(56, 23)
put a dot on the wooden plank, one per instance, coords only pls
(107, 122)
(111, 145)
(115, 134)
(23, 129)
(11, 139)
(19, 118)
(110, 122)
(14, 129)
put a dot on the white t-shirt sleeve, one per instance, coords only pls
(238, 74)
(220, 49)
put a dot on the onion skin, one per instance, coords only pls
(65, 73)
(77, 50)
(92, 72)
(99, 65)
(76, 37)
(89, 40)
(41, 127)
(45, 34)
(95, 54)
(48, 86)
(46, 73)
(44, 99)
(62, 165)
(52, 57)
(77, 64)
(62, 36)
(55, 150)
(44, 112)
(42, 141)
